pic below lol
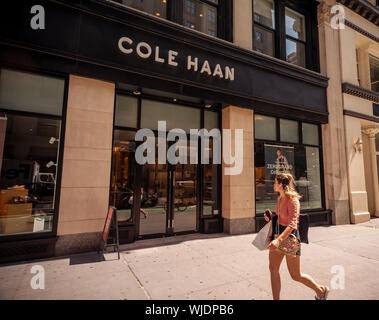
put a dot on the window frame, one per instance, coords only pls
(371, 57)
(280, 36)
(299, 144)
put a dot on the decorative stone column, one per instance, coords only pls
(86, 169)
(355, 167)
(364, 65)
(238, 191)
(334, 151)
(371, 132)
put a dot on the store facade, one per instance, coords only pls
(73, 97)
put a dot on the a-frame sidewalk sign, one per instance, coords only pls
(110, 232)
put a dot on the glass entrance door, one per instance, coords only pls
(168, 198)
(185, 215)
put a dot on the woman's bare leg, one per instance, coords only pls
(293, 264)
(275, 259)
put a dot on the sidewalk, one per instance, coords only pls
(204, 267)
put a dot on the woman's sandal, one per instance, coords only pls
(325, 294)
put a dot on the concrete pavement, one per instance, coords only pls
(206, 267)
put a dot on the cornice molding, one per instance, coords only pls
(361, 116)
(364, 8)
(360, 92)
(361, 31)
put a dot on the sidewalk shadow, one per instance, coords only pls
(91, 257)
(169, 240)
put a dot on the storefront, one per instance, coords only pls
(74, 95)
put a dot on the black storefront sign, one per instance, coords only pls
(91, 38)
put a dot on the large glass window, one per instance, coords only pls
(126, 111)
(176, 116)
(374, 73)
(289, 131)
(265, 127)
(300, 158)
(29, 149)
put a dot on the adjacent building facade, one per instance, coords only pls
(349, 57)
(78, 84)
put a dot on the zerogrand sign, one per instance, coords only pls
(146, 51)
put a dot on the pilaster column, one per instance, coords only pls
(334, 144)
(371, 132)
(86, 164)
(238, 191)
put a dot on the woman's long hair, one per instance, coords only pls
(286, 180)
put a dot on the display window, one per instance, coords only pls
(30, 133)
(287, 146)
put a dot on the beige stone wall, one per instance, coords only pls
(349, 70)
(238, 191)
(357, 104)
(87, 156)
(243, 23)
(357, 184)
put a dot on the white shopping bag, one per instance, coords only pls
(263, 238)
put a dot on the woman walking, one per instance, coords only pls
(288, 211)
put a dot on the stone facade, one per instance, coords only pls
(350, 161)
(238, 191)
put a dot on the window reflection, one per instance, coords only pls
(264, 26)
(200, 16)
(155, 7)
(273, 157)
(29, 149)
(295, 52)
(295, 33)
(264, 13)
(295, 24)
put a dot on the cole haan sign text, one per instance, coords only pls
(145, 51)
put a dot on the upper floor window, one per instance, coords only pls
(155, 7)
(295, 37)
(282, 31)
(264, 26)
(374, 73)
(203, 14)
(212, 17)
